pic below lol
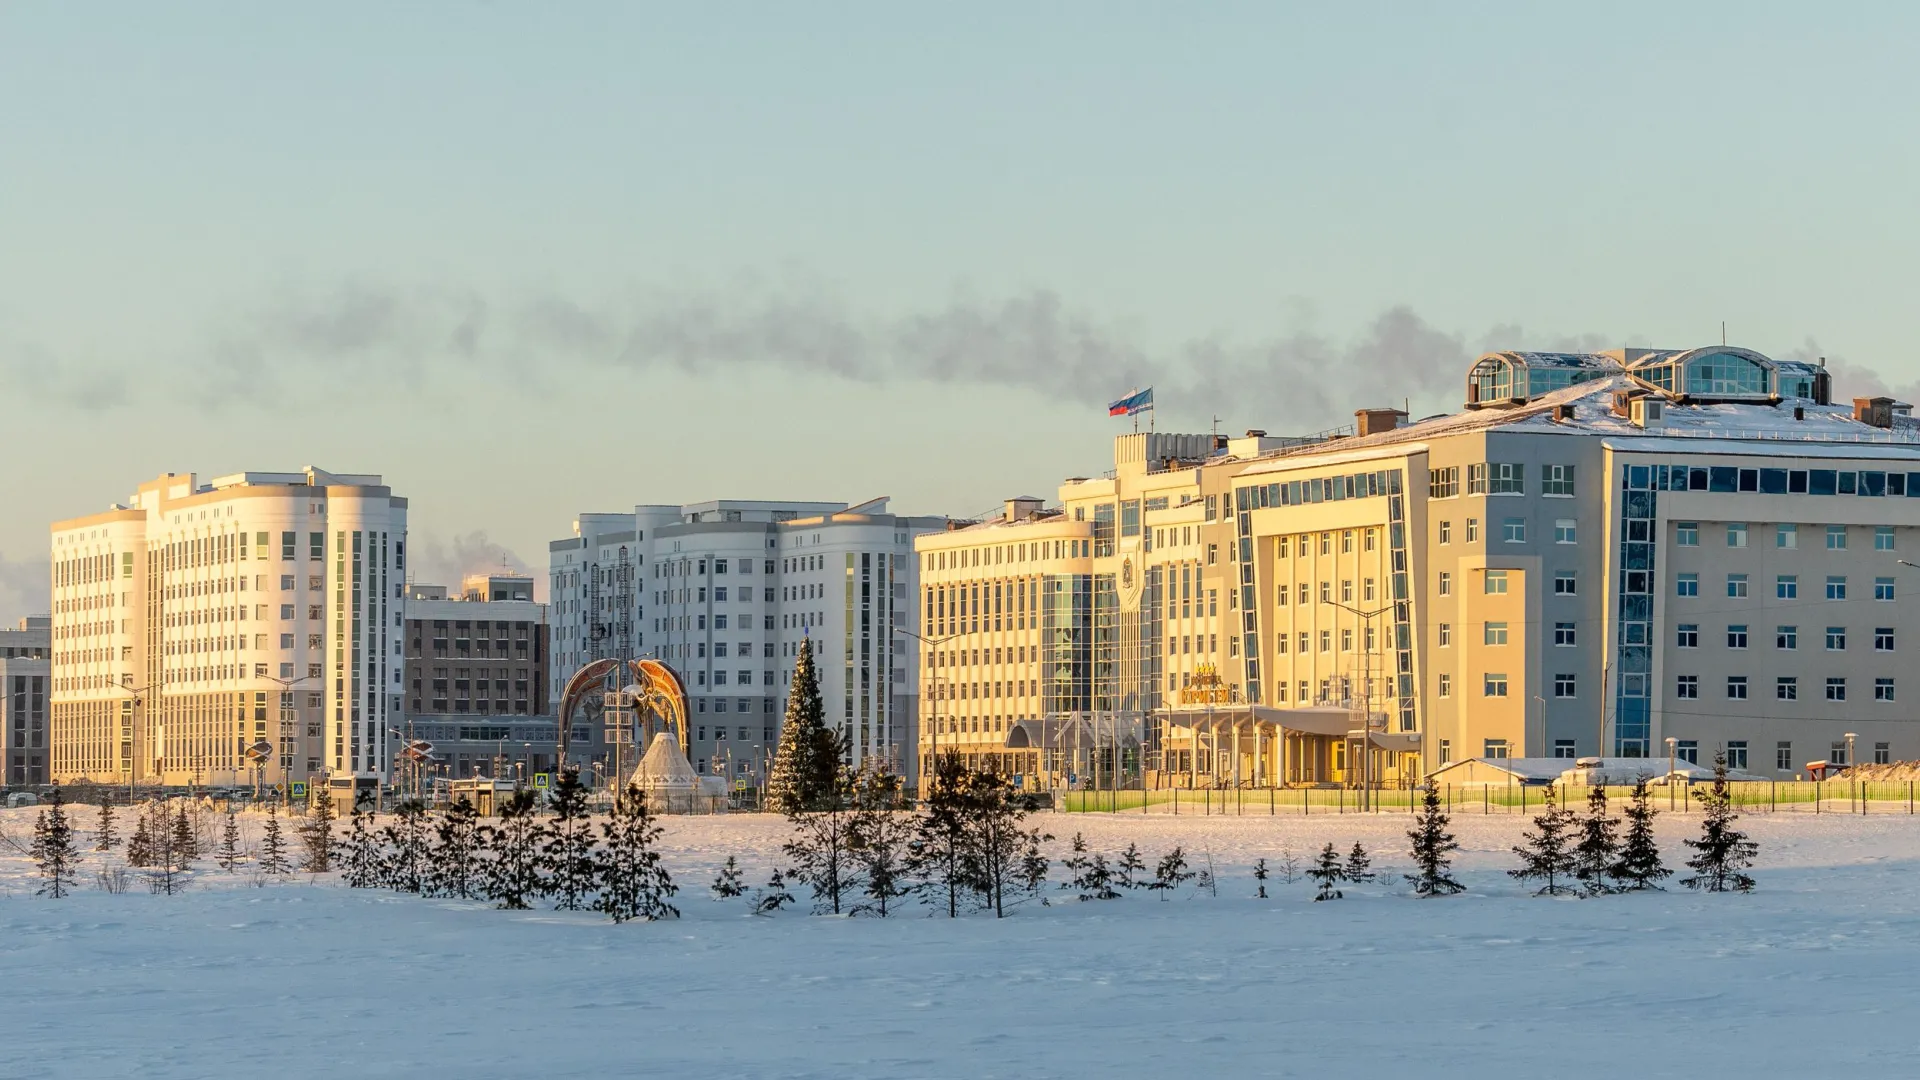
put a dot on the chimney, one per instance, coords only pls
(1375, 421)
(1563, 414)
(1256, 433)
(1022, 508)
(1877, 411)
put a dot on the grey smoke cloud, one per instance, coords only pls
(1854, 380)
(438, 561)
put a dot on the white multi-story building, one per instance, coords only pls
(196, 620)
(725, 591)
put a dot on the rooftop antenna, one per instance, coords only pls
(1723, 333)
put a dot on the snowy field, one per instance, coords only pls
(1808, 976)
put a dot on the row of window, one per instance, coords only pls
(1731, 479)
(1687, 636)
(1785, 688)
(1786, 535)
(1499, 478)
(1785, 586)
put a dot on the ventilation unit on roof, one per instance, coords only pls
(1649, 412)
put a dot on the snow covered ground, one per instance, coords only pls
(1806, 977)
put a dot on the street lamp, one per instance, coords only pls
(1366, 699)
(286, 766)
(1850, 736)
(1672, 750)
(934, 644)
(136, 698)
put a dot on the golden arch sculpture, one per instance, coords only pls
(657, 692)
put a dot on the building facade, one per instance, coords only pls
(196, 620)
(1602, 553)
(25, 679)
(476, 677)
(724, 592)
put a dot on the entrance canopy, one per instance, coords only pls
(1327, 721)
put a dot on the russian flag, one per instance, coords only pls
(1137, 402)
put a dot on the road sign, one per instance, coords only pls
(540, 780)
(260, 751)
(299, 789)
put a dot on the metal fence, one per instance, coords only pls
(1804, 797)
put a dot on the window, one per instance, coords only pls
(1883, 588)
(1837, 688)
(1564, 748)
(1563, 686)
(1473, 529)
(1346, 639)
(1326, 641)
(1883, 538)
(1563, 583)
(1446, 685)
(1563, 633)
(1736, 635)
(1446, 634)
(1883, 752)
(1786, 637)
(1883, 690)
(1367, 592)
(1736, 688)
(1786, 536)
(1837, 753)
(1687, 585)
(1346, 590)
(1564, 531)
(1495, 749)
(1556, 480)
(1836, 638)
(1446, 749)
(1446, 583)
(1496, 633)
(1496, 583)
(1837, 587)
(1737, 586)
(1446, 532)
(1737, 534)
(1476, 481)
(1783, 756)
(1443, 483)
(1507, 478)
(1786, 688)
(1687, 750)
(1836, 538)
(1687, 534)
(1687, 636)
(1786, 586)
(1687, 686)
(1883, 639)
(1513, 530)
(1326, 592)
(1736, 753)
(1493, 684)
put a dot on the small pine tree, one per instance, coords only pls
(363, 861)
(882, 841)
(1725, 852)
(1639, 867)
(1260, 876)
(1033, 867)
(1076, 861)
(1433, 848)
(229, 841)
(316, 833)
(1599, 848)
(1095, 880)
(273, 846)
(727, 885)
(185, 844)
(996, 841)
(511, 872)
(1289, 866)
(772, 898)
(567, 859)
(53, 850)
(104, 836)
(806, 767)
(941, 858)
(455, 862)
(1131, 867)
(405, 840)
(1171, 873)
(1547, 855)
(140, 846)
(634, 883)
(1329, 873)
(1359, 865)
(823, 851)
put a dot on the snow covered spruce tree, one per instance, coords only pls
(455, 863)
(1599, 847)
(105, 838)
(1723, 853)
(140, 846)
(1547, 855)
(512, 870)
(634, 883)
(53, 850)
(1328, 872)
(941, 863)
(273, 846)
(1433, 848)
(1171, 873)
(567, 863)
(882, 833)
(806, 768)
(1359, 866)
(822, 846)
(1638, 867)
(316, 833)
(185, 841)
(363, 860)
(404, 868)
(727, 884)
(229, 853)
(1033, 868)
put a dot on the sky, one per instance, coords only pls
(528, 261)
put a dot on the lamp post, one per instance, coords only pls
(932, 644)
(1366, 699)
(136, 696)
(286, 766)
(1672, 745)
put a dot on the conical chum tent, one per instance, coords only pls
(668, 780)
